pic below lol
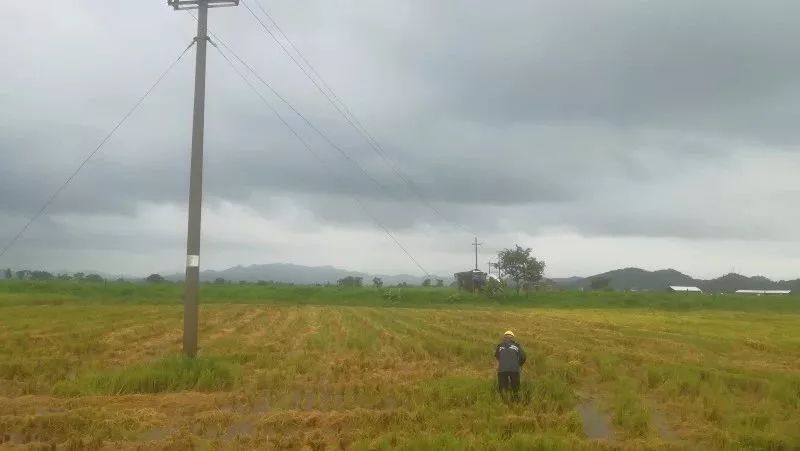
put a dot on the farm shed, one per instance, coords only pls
(679, 289)
(765, 292)
(470, 280)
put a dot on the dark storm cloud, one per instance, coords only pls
(602, 117)
(721, 66)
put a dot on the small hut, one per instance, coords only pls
(471, 280)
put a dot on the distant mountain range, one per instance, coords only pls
(619, 279)
(640, 279)
(301, 275)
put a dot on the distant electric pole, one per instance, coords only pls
(192, 284)
(476, 244)
(490, 266)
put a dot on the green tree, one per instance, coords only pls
(8, 273)
(518, 265)
(426, 283)
(94, 278)
(377, 282)
(219, 281)
(155, 278)
(40, 275)
(78, 276)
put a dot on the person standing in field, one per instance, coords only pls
(510, 358)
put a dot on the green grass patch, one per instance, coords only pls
(172, 374)
(459, 392)
(630, 413)
(548, 393)
(56, 292)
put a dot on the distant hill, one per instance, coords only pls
(568, 282)
(302, 275)
(640, 279)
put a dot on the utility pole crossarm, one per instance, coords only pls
(195, 4)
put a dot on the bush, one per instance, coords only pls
(155, 278)
(393, 296)
(494, 288)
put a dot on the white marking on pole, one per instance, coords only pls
(192, 261)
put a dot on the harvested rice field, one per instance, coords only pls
(81, 372)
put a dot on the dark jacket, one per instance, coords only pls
(510, 357)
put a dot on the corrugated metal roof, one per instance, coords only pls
(764, 291)
(679, 288)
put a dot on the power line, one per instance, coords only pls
(305, 119)
(69, 179)
(217, 40)
(310, 124)
(302, 57)
(350, 118)
(307, 146)
(310, 149)
(344, 111)
(356, 122)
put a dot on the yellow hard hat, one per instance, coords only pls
(508, 332)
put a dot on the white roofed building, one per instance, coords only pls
(679, 289)
(764, 292)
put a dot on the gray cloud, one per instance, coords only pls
(708, 66)
(608, 119)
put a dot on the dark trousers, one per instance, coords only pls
(508, 380)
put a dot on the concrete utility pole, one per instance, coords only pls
(476, 244)
(192, 283)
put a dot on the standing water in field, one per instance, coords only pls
(595, 423)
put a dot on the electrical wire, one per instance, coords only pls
(305, 119)
(311, 150)
(344, 111)
(342, 152)
(217, 40)
(103, 142)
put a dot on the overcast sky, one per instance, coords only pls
(602, 134)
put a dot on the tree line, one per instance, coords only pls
(39, 275)
(377, 282)
(347, 282)
(517, 267)
(27, 274)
